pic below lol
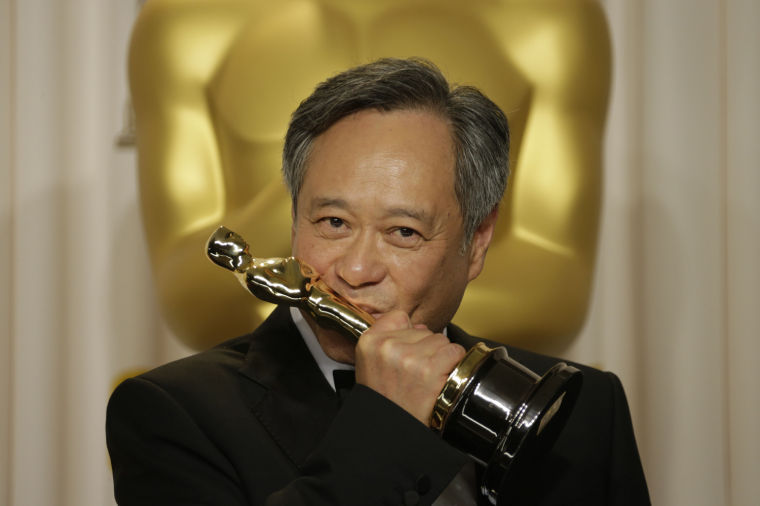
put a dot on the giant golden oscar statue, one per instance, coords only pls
(214, 82)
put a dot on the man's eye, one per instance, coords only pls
(332, 227)
(405, 237)
(335, 222)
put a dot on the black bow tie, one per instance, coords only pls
(344, 381)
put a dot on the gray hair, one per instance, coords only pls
(480, 132)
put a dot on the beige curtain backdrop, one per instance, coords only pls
(676, 306)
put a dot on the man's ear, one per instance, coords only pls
(481, 239)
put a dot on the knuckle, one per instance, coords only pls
(410, 363)
(441, 340)
(458, 350)
(453, 353)
(389, 350)
(371, 344)
(393, 320)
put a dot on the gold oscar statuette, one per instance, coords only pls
(491, 407)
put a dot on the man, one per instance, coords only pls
(395, 180)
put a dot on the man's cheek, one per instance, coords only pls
(320, 257)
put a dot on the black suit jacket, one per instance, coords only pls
(253, 421)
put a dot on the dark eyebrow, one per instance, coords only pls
(416, 214)
(319, 203)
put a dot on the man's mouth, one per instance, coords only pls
(369, 307)
(371, 310)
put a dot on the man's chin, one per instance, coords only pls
(337, 345)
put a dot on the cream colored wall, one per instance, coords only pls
(677, 296)
(676, 308)
(5, 247)
(79, 296)
(742, 302)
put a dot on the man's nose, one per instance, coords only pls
(361, 263)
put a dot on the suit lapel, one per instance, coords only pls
(297, 404)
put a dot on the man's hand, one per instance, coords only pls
(407, 364)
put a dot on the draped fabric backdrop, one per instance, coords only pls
(676, 306)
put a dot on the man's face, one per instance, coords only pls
(378, 218)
